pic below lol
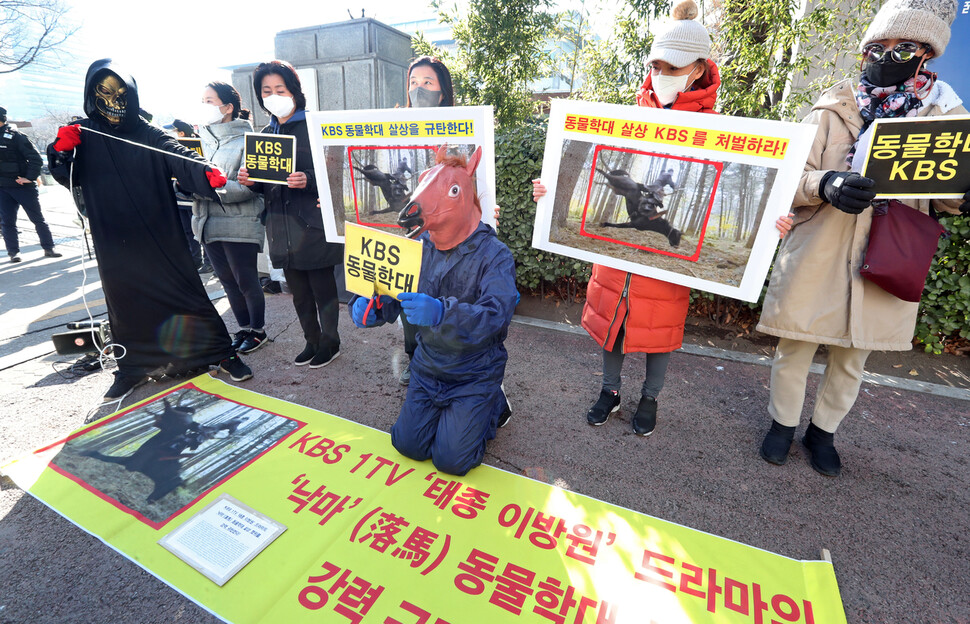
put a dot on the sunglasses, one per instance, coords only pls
(902, 53)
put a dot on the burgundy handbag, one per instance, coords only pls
(902, 243)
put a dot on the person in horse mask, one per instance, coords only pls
(462, 310)
(816, 294)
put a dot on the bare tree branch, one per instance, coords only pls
(29, 29)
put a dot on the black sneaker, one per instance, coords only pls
(306, 355)
(205, 268)
(236, 368)
(14, 258)
(777, 443)
(123, 384)
(821, 447)
(271, 287)
(252, 342)
(324, 356)
(405, 377)
(50, 253)
(608, 403)
(645, 418)
(238, 338)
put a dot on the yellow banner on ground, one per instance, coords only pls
(371, 537)
(381, 263)
(700, 138)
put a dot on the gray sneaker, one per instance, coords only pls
(405, 377)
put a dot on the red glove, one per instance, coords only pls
(215, 177)
(68, 137)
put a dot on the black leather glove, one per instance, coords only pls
(965, 206)
(846, 190)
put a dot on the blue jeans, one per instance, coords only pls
(11, 197)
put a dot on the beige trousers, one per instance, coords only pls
(836, 394)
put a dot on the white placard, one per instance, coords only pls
(688, 198)
(367, 162)
(222, 538)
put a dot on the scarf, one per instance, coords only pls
(887, 102)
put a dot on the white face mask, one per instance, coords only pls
(208, 114)
(668, 87)
(279, 105)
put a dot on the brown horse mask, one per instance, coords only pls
(445, 203)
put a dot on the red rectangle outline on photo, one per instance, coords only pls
(353, 183)
(719, 166)
(132, 512)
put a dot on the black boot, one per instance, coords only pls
(777, 442)
(645, 418)
(821, 447)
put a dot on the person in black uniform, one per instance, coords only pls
(20, 165)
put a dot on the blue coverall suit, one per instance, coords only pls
(455, 395)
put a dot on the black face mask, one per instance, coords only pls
(887, 73)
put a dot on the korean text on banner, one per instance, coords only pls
(375, 538)
(922, 157)
(376, 262)
(269, 157)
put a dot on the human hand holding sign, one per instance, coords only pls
(847, 190)
(296, 180)
(421, 309)
(242, 176)
(362, 313)
(68, 137)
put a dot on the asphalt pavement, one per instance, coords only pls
(895, 522)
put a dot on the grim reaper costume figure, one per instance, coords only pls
(157, 306)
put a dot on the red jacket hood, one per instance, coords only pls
(699, 100)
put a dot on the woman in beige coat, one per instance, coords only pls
(816, 294)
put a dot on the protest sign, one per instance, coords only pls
(269, 157)
(368, 162)
(193, 143)
(377, 262)
(919, 157)
(375, 538)
(687, 198)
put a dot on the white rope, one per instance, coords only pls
(149, 147)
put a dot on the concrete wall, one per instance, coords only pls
(359, 64)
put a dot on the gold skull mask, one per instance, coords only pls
(111, 99)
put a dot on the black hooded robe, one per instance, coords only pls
(157, 306)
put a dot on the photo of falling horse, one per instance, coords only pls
(392, 185)
(644, 204)
(159, 458)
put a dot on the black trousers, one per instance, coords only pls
(12, 197)
(316, 303)
(235, 266)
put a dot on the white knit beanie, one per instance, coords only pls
(922, 21)
(685, 41)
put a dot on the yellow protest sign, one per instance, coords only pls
(665, 134)
(376, 261)
(372, 537)
(451, 128)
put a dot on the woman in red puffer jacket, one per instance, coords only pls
(627, 313)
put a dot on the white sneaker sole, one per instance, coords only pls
(335, 356)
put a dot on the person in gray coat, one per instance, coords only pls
(232, 233)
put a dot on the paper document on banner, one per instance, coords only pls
(374, 537)
(222, 538)
(687, 198)
(368, 163)
(919, 157)
(376, 262)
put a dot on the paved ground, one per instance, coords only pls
(896, 522)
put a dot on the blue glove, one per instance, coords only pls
(357, 312)
(421, 309)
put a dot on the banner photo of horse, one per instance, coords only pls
(688, 198)
(376, 538)
(368, 163)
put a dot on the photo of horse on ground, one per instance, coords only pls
(156, 459)
(697, 217)
(374, 184)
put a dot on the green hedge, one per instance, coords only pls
(944, 311)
